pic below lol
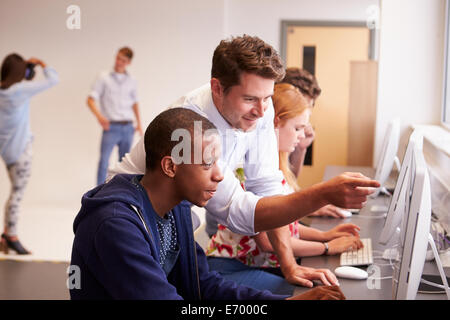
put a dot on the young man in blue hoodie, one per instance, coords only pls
(134, 236)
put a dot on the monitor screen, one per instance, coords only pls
(394, 214)
(414, 229)
(388, 154)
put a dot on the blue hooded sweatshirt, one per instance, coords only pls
(119, 259)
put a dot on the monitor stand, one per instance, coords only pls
(439, 265)
(392, 254)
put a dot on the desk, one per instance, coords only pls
(371, 226)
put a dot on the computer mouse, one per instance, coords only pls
(345, 213)
(351, 273)
(377, 208)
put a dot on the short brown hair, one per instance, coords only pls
(127, 52)
(245, 54)
(304, 81)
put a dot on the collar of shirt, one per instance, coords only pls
(119, 77)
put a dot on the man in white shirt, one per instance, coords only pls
(116, 92)
(238, 101)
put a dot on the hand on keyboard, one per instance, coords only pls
(342, 230)
(343, 244)
(358, 256)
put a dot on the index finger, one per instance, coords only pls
(353, 232)
(363, 182)
(323, 277)
(359, 243)
(362, 192)
(329, 276)
(303, 282)
(356, 175)
(354, 226)
(354, 229)
(350, 226)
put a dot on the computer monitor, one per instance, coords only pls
(394, 214)
(388, 154)
(414, 229)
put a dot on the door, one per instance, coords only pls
(333, 47)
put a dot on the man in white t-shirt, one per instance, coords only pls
(238, 101)
(116, 93)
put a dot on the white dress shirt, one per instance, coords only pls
(256, 150)
(116, 93)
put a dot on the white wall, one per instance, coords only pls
(263, 17)
(173, 43)
(410, 48)
(410, 65)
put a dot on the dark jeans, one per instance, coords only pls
(258, 278)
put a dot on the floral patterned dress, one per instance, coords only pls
(227, 244)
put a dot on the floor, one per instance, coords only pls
(46, 232)
(33, 280)
(42, 275)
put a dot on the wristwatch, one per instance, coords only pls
(326, 248)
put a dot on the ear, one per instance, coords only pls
(168, 167)
(216, 87)
(276, 121)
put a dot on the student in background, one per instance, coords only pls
(15, 134)
(116, 93)
(247, 260)
(134, 236)
(309, 87)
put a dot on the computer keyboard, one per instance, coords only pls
(360, 257)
